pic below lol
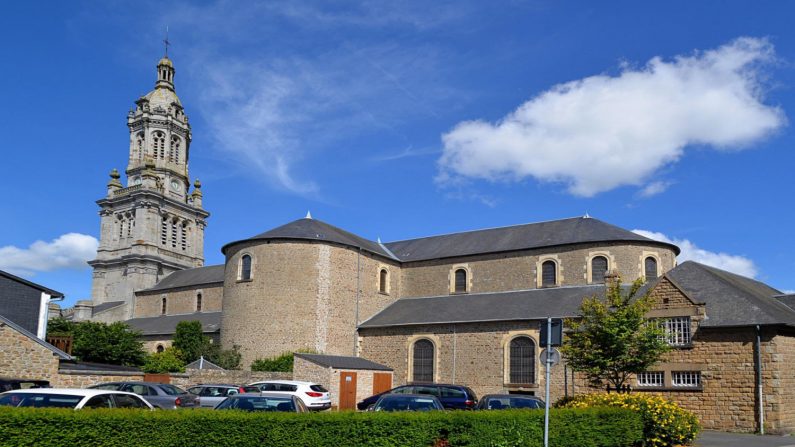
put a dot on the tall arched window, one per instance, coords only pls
(460, 281)
(198, 302)
(383, 279)
(423, 361)
(650, 268)
(522, 360)
(598, 269)
(159, 145)
(139, 145)
(549, 274)
(163, 306)
(173, 154)
(245, 268)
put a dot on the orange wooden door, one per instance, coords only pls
(347, 390)
(382, 382)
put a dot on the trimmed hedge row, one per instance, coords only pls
(592, 427)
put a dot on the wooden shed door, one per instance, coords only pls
(382, 382)
(347, 390)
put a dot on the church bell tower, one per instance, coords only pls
(153, 225)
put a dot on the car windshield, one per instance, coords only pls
(39, 400)
(257, 403)
(171, 390)
(407, 403)
(106, 386)
(498, 403)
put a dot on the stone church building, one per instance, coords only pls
(458, 308)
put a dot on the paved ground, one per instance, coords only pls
(719, 439)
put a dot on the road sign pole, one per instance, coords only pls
(546, 398)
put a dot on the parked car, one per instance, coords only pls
(8, 384)
(407, 402)
(454, 397)
(72, 398)
(509, 401)
(263, 402)
(212, 395)
(160, 395)
(314, 396)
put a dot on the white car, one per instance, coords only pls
(72, 398)
(314, 396)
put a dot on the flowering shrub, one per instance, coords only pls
(664, 422)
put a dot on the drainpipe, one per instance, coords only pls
(356, 317)
(761, 409)
(455, 345)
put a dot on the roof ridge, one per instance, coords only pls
(492, 228)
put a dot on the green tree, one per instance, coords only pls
(613, 339)
(280, 363)
(190, 340)
(60, 326)
(168, 361)
(113, 343)
(225, 358)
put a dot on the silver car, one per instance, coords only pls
(160, 395)
(212, 395)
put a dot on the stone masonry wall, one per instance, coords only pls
(518, 270)
(779, 382)
(24, 358)
(179, 301)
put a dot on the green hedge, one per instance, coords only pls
(593, 427)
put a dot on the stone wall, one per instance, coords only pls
(518, 270)
(179, 301)
(330, 378)
(84, 379)
(779, 382)
(21, 357)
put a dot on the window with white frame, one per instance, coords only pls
(686, 379)
(677, 330)
(651, 378)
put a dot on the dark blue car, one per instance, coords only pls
(452, 397)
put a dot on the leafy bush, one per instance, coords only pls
(594, 427)
(189, 338)
(664, 422)
(280, 363)
(114, 343)
(168, 361)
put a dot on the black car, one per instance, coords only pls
(509, 401)
(453, 397)
(9, 384)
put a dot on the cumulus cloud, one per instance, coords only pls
(601, 132)
(654, 188)
(69, 251)
(691, 252)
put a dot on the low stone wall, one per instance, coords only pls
(82, 379)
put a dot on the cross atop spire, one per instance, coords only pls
(166, 42)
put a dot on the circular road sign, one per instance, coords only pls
(554, 358)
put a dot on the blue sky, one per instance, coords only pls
(411, 119)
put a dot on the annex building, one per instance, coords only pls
(458, 308)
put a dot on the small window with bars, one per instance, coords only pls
(686, 379)
(164, 231)
(423, 361)
(677, 330)
(651, 378)
(183, 237)
(173, 234)
(522, 360)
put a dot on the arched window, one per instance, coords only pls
(549, 274)
(159, 145)
(598, 269)
(522, 360)
(198, 302)
(383, 280)
(163, 306)
(245, 268)
(423, 361)
(160, 349)
(139, 145)
(650, 268)
(460, 281)
(173, 154)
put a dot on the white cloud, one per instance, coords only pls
(69, 251)
(654, 188)
(691, 252)
(601, 132)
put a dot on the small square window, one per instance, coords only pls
(686, 379)
(650, 378)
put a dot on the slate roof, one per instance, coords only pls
(167, 324)
(731, 299)
(105, 306)
(210, 274)
(342, 362)
(533, 304)
(48, 291)
(62, 355)
(575, 230)
(493, 240)
(316, 230)
(88, 366)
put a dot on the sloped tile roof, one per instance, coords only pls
(210, 274)
(342, 362)
(167, 324)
